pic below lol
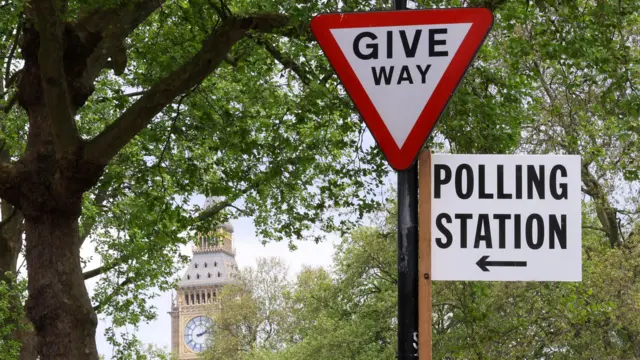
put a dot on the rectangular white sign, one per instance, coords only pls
(506, 218)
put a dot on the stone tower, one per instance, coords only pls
(212, 266)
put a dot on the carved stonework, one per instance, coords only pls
(212, 267)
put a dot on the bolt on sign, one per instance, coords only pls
(506, 217)
(401, 67)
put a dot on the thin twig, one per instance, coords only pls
(21, 264)
(171, 129)
(135, 93)
(115, 293)
(588, 227)
(242, 211)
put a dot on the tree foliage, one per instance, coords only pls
(141, 351)
(148, 102)
(252, 312)
(11, 315)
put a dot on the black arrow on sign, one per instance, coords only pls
(483, 263)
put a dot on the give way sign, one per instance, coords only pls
(401, 67)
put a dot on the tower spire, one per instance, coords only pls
(219, 239)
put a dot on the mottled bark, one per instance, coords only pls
(607, 214)
(58, 305)
(47, 186)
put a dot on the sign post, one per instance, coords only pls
(408, 263)
(400, 68)
(407, 254)
(424, 183)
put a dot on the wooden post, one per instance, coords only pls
(424, 267)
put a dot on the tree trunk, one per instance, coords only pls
(58, 305)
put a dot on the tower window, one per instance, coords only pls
(196, 265)
(215, 263)
(219, 274)
(197, 276)
(188, 277)
(209, 275)
(205, 264)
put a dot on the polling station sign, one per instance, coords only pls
(506, 218)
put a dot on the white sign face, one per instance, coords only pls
(506, 218)
(400, 66)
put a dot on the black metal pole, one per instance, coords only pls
(399, 4)
(408, 263)
(407, 255)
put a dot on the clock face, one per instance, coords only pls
(197, 332)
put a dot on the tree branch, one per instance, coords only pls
(222, 10)
(101, 269)
(115, 293)
(171, 130)
(136, 93)
(114, 25)
(131, 94)
(214, 50)
(628, 212)
(299, 31)
(10, 238)
(605, 212)
(13, 79)
(212, 211)
(54, 81)
(589, 227)
(7, 178)
(285, 61)
(7, 219)
(537, 69)
(326, 78)
(241, 211)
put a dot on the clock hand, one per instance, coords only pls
(202, 333)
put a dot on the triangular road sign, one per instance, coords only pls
(401, 67)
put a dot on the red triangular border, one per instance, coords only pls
(402, 158)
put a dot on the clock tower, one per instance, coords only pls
(212, 266)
